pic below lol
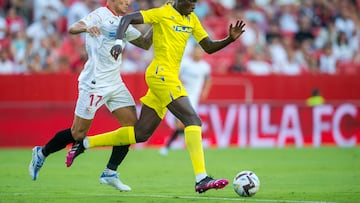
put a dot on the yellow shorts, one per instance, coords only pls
(163, 89)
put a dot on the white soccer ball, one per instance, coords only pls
(246, 183)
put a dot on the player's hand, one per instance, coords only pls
(237, 30)
(93, 31)
(116, 51)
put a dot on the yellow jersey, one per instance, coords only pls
(171, 31)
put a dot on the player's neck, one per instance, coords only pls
(113, 11)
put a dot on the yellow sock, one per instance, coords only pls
(119, 137)
(193, 141)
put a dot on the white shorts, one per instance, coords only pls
(91, 99)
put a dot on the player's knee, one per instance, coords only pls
(195, 120)
(142, 135)
(142, 138)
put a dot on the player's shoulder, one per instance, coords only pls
(193, 17)
(166, 7)
(102, 13)
(158, 10)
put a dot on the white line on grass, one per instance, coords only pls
(186, 197)
(209, 198)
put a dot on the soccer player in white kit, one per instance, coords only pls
(99, 83)
(195, 75)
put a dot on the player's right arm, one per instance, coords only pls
(133, 18)
(80, 27)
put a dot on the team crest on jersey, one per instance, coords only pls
(179, 28)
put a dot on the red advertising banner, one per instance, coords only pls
(241, 110)
(238, 125)
(269, 126)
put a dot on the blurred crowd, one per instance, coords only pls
(290, 37)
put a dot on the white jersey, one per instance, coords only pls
(101, 69)
(193, 75)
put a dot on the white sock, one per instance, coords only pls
(86, 143)
(109, 171)
(200, 176)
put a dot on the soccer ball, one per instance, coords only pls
(246, 183)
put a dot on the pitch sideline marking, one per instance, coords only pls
(194, 197)
(210, 198)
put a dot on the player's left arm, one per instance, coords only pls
(145, 40)
(211, 46)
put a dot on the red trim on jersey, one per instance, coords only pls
(113, 12)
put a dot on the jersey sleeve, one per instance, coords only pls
(199, 32)
(132, 33)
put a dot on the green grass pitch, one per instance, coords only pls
(306, 175)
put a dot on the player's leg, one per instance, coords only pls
(79, 129)
(81, 124)
(126, 117)
(141, 132)
(89, 101)
(119, 137)
(57, 143)
(147, 123)
(110, 176)
(151, 114)
(39, 154)
(127, 135)
(183, 110)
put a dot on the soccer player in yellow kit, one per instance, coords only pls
(173, 24)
